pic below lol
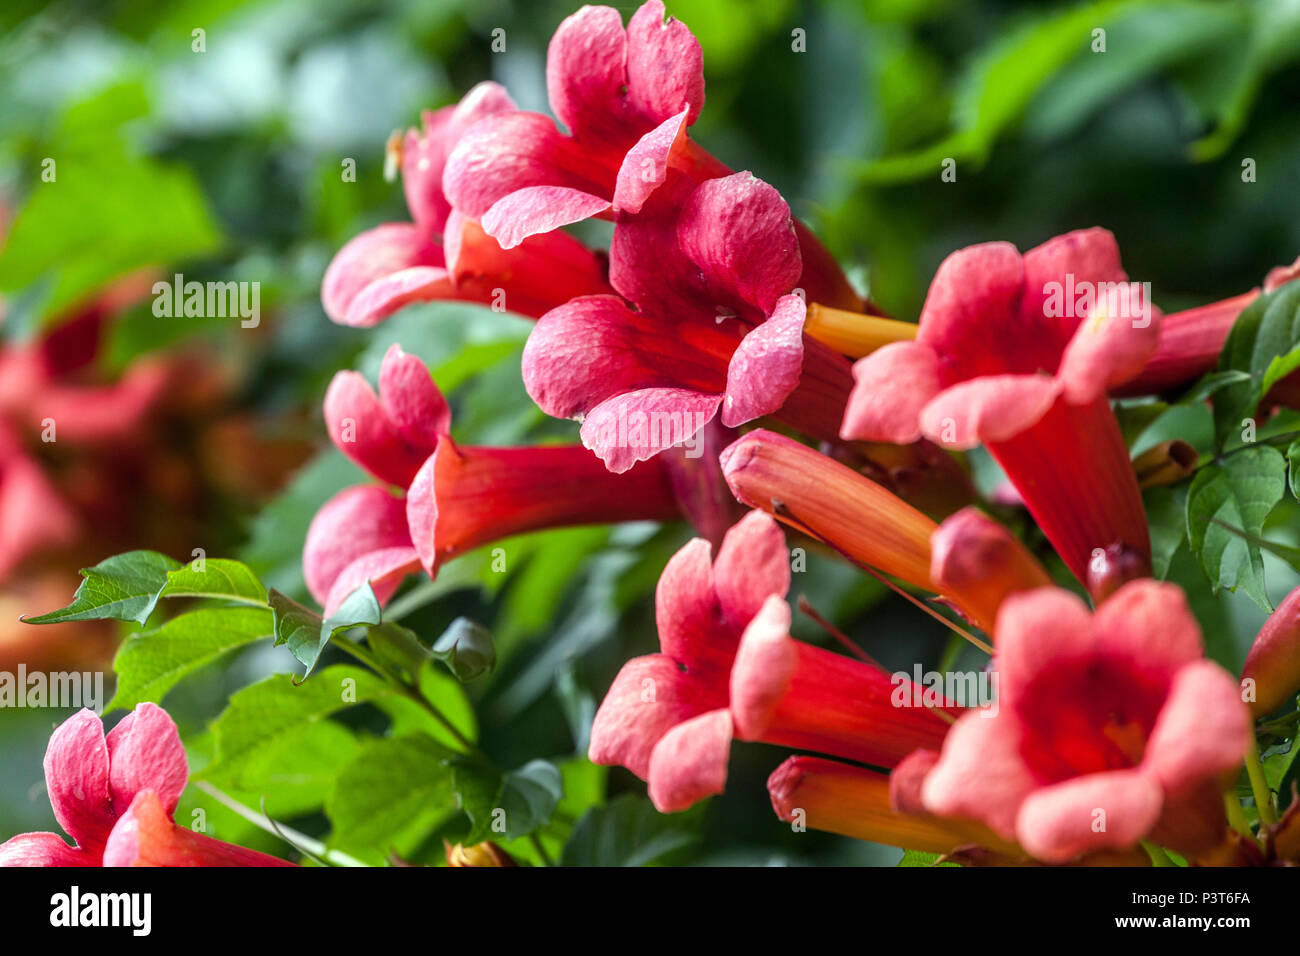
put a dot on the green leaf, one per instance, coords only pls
(220, 578)
(1167, 515)
(1239, 492)
(998, 88)
(393, 793)
(110, 211)
(295, 772)
(466, 648)
(125, 587)
(629, 831)
(259, 716)
(1293, 462)
(150, 663)
(920, 858)
(511, 805)
(306, 632)
(1265, 343)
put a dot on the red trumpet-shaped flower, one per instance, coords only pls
(729, 668)
(1273, 664)
(1190, 341)
(855, 802)
(115, 795)
(627, 97)
(1018, 352)
(1111, 729)
(665, 717)
(443, 255)
(456, 498)
(969, 558)
(712, 325)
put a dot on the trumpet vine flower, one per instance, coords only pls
(1017, 352)
(115, 794)
(1111, 729)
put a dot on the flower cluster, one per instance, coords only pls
(715, 309)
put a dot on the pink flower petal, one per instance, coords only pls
(595, 348)
(386, 295)
(765, 367)
(969, 316)
(765, 665)
(649, 697)
(665, 65)
(1089, 256)
(907, 780)
(1112, 810)
(360, 428)
(753, 565)
(645, 167)
(539, 209)
(354, 522)
(145, 753)
(422, 510)
(692, 628)
(77, 778)
(1038, 632)
(1108, 350)
(890, 388)
(1149, 623)
(991, 408)
(411, 400)
(43, 849)
(586, 71)
(690, 762)
(635, 426)
(980, 774)
(425, 152)
(507, 152)
(739, 232)
(32, 512)
(374, 254)
(1202, 732)
(384, 569)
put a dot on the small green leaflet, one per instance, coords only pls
(513, 804)
(1264, 343)
(125, 587)
(307, 633)
(1239, 491)
(150, 663)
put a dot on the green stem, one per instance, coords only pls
(406, 690)
(541, 850)
(299, 841)
(1259, 786)
(1237, 816)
